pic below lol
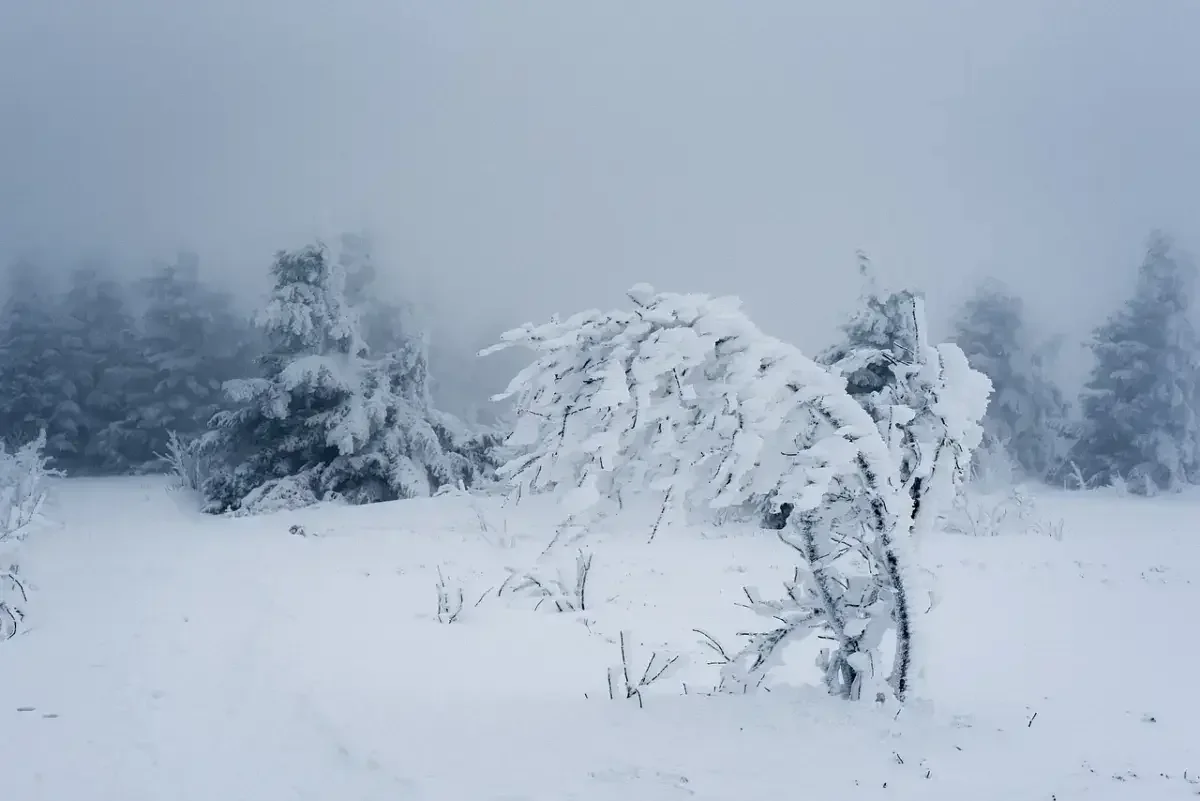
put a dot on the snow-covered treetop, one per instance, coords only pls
(308, 311)
(927, 400)
(883, 331)
(683, 394)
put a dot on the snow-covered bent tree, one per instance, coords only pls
(684, 395)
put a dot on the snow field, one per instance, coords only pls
(173, 655)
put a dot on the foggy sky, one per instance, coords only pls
(519, 158)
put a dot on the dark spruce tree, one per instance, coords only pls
(1139, 406)
(103, 348)
(193, 340)
(1028, 414)
(38, 388)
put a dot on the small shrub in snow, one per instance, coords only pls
(449, 599)
(23, 474)
(1014, 511)
(22, 491)
(563, 593)
(990, 515)
(626, 682)
(734, 676)
(683, 396)
(187, 461)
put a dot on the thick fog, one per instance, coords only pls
(520, 158)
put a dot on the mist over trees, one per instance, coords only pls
(107, 365)
(1134, 425)
(334, 389)
(1028, 417)
(113, 366)
(1139, 424)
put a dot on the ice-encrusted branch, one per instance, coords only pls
(684, 395)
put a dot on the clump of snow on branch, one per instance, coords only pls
(685, 396)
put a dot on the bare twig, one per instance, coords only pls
(656, 669)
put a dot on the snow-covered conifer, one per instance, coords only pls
(683, 395)
(1139, 406)
(105, 359)
(193, 340)
(38, 392)
(324, 420)
(1028, 415)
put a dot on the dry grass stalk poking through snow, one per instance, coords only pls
(449, 599)
(625, 681)
(566, 594)
(1015, 511)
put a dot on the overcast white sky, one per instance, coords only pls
(527, 157)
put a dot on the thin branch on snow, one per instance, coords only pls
(620, 678)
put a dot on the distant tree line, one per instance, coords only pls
(107, 365)
(323, 393)
(1135, 423)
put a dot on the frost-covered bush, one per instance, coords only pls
(23, 473)
(328, 420)
(560, 593)
(684, 396)
(1013, 511)
(926, 400)
(187, 461)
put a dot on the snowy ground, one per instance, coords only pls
(173, 656)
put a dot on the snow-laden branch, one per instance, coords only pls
(684, 395)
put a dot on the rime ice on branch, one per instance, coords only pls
(684, 395)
